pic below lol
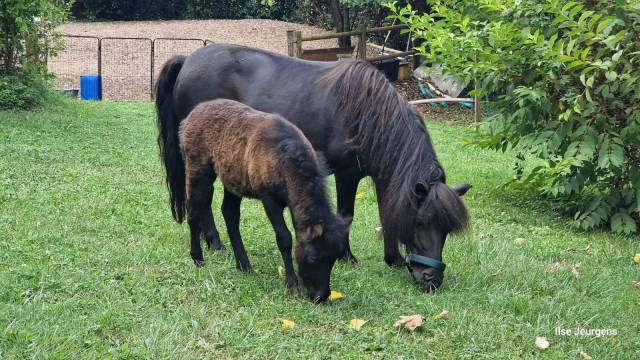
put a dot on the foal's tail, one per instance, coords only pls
(168, 125)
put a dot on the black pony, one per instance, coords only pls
(351, 113)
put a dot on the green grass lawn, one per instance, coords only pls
(93, 266)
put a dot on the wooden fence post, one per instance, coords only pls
(298, 50)
(362, 43)
(290, 40)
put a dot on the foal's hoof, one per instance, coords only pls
(395, 261)
(349, 258)
(198, 262)
(295, 291)
(245, 268)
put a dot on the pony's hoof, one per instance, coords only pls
(215, 247)
(349, 259)
(396, 261)
(214, 243)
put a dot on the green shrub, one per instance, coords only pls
(24, 90)
(567, 87)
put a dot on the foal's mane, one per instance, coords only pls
(393, 141)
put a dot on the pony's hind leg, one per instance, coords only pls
(274, 211)
(198, 188)
(231, 214)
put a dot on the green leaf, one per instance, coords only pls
(611, 75)
(623, 223)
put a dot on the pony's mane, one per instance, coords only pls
(308, 171)
(395, 146)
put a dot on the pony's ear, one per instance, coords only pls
(461, 189)
(421, 190)
(311, 232)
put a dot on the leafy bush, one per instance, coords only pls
(27, 38)
(567, 86)
(23, 90)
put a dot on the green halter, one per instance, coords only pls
(423, 260)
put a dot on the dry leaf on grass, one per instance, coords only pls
(636, 284)
(356, 324)
(574, 270)
(442, 315)
(553, 267)
(410, 322)
(636, 259)
(359, 195)
(584, 355)
(335, 295)
(542, 343)
(280, 271)
(287, 324)
(519, 241)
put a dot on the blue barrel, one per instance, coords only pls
(90, 87)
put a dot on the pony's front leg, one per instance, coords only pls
(392, 254)
(231, 214)
(211, 235)
(274, 211)
(346, 188)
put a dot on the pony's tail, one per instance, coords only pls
(168, 141)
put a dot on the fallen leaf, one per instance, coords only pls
(636, 284)
(553, 267)
(335, 295)
(356, 324)
(280, 271)
(519, 241)
(542, 343)
(574, 270)
(584, 355)
(442, 315)
(410, 322)
(588, 248)
(287, 324)
(359, 195)
(636, 259)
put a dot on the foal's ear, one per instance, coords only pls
(312, 232)
(461, 189)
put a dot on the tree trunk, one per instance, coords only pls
(340, 17)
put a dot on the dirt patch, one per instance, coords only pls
(128, 67)
(264, 34)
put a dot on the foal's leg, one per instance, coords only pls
(391, 251)
(274, 211)
(211, 235)
(198, 184)
(346, 187)
(231, 214)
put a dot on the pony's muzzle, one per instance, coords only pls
(429, 278)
